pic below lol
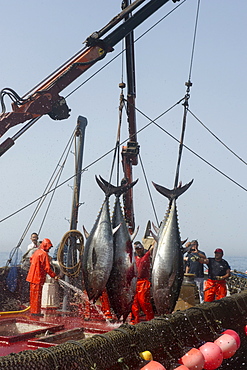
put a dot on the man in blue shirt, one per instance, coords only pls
(193, 266)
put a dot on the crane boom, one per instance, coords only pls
(45, 98)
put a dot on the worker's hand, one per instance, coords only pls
(56, 277)
(195, 258)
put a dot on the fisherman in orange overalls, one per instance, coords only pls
(40, 266)
(142, 299)
(218, 271)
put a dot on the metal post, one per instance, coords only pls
(71, 251)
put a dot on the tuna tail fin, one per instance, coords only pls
(173, 193)
(108, 190)
(111, 189)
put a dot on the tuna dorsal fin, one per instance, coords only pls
(147, 231)
(117, 190)
(85, 232)
(132, 237)
(172, 193)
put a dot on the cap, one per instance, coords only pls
(194, 242)
(138, 246)
(219, 250)
(46, 244)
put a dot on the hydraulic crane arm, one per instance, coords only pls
(45, 98)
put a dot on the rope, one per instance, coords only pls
(116, 153)
(120, 360)
(71, 271)
(185, 146)
(122, 51)
(186, 103)
(149, 192)
(216, 137)
(51, 355)
(14, 312)
(42, 199)
(76, 343)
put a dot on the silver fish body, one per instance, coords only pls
(167, 269)
(98, 254)
(121, 285)
(167, 272)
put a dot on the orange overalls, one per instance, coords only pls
(142, 299)
(214, 290)
(40, 266)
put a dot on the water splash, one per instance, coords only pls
(65, 284)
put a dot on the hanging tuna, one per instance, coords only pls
(121, 285)
(98, 252)
(167, 271)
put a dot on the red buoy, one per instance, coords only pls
(182, 367)
(227, 344)
(153, 365)
(193, 359)
(213, 355)
(234, 334)
(245, 329)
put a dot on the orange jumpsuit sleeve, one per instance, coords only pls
(40, 266)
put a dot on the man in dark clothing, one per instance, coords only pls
(196, 268)
(218, 272)
(142, 299)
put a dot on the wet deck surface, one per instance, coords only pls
(59, 327)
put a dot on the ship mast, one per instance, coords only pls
(131, 150)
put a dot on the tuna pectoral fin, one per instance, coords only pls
(94, 258)
(116, 229)
(171, 279)
(172, 193)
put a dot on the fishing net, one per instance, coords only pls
(167, 337)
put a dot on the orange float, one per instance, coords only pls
(182, 367)
(227, 344)
(213, 355)
(193, 359)
(234, 334)
(153, 365)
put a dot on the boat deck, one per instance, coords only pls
(19, 332)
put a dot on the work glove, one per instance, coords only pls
(194, 258)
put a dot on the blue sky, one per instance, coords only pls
(38, 37)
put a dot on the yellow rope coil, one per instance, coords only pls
(60, 254)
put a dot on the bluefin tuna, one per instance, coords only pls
(98, 252)
(121, 285)
(167, 271)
